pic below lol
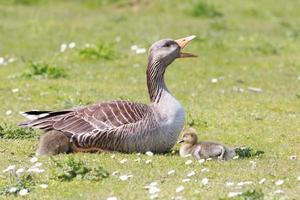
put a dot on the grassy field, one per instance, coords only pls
(241, 45)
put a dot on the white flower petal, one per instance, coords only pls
(140, 50)
(63, 47)
(201, 161)
(214, 80)
(179, 189)
(1, 60)
(8, 112)
(12, 190)
(44, 186)
(229, 184)
(235, 157)
(15, 90)
(233, 194)
(192, 173)
(205, 170)
(154, 196)
(293, 157)
(34, 159)
(149, 153)
(279, 182)
(10, 60)
(279, 192)
(153, 190)
(172, 171)
(124, 177)
(262, 181)
(111, 198)
(23, 192)
(123, 161)
(298, 178)
(72, 45)
(148, 161)
(20, 171)
(186, 180)
(10, 168)
(115, 173)
(244, 183)
(38, 164)
(204, 181)
(134, 47)
(188, 162)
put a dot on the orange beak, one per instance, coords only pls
(182, 42)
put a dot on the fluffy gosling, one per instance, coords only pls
(203, 149)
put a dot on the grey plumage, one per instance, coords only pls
(121, 125)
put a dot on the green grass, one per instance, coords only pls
(251, 44)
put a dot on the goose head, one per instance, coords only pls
(189, 137)
(167, 50)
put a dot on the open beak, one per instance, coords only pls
(182, 42)
(180, 141)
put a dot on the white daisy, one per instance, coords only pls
(123, 161)
(279, 182)
(148, 161)
(262, 181)
(229, 184)
(244, 183)
(111, 198)
(20, 171)
(72, 45)
(124, 177)
(179, 189)
(205, 170)
(172, 171)
(8, 112)
(188, 162)
(149, 153)
(23, 192)
(214, 80)
(233, 194)
(44, 186)
(63, 47)
(15, 90)
(1, 60)
(192, 173)
(10, 168)
(201, 161)
(204, 181)
(12, 190)
(34, 159)
(186, 180)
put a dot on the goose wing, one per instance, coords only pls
(102, 117)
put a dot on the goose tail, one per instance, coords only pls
(41, 119)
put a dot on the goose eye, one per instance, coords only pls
(167, 45)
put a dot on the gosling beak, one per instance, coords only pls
(180, 141)
(182, 42)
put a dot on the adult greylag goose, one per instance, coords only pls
(122, 125)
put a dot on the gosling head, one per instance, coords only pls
(167, 50)
(189, 137)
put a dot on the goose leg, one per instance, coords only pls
(88, 150)
(221, 156)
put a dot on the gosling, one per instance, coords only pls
(55, 142)
(203, 149)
